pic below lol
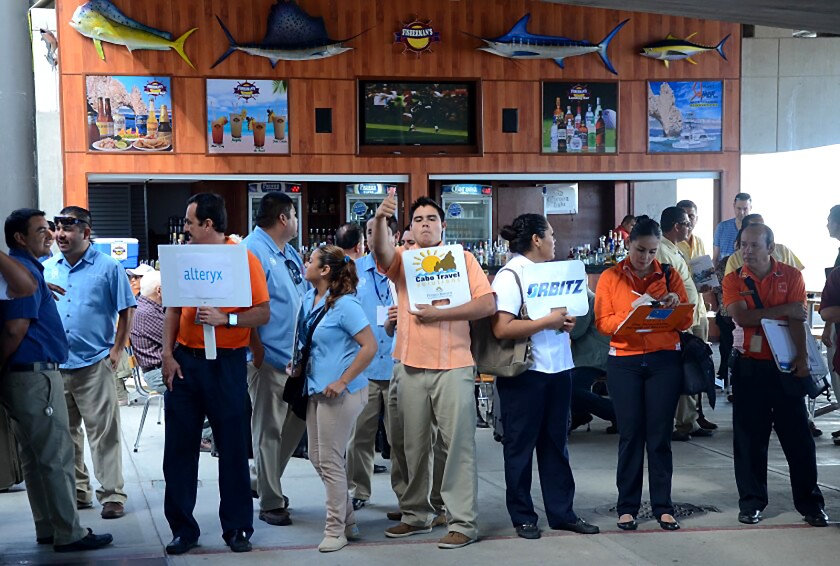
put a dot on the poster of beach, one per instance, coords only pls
(247, 116)
(685, 116)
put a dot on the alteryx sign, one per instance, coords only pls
(205, 275)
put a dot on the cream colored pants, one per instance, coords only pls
(361, 450)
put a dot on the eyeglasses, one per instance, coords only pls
(294, 271)
(65, 222)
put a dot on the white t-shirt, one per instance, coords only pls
(552, 350)
(4, 289)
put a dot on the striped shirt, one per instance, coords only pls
(725, 235)
(147, 333)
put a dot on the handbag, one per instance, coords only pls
(295, 393)
(502, 358)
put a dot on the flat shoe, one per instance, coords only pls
(631, 525)
(749, 517)
(667, 526)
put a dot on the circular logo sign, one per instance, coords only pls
(455, 210)
(360, 209)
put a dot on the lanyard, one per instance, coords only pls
(382, 301)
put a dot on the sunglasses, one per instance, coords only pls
(686, 223)
(67, 221)
(51, 224)
(294, 271)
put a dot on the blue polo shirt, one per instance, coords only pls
(97, 291)
(725, 235)
(45, 340)
(285, 296)
(373, 291)
(333, 347)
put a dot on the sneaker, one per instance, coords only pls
(276, 517)
(405, 530)
(439, 520)
(394, 515)
(331, 544)
(455, 540)
(351, 532)
(358, 503)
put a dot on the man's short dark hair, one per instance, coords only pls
(743, 196)
(393, 226)
(210, 206)
(627, 218)
(82, 214)
(18, 223)
(426, 201)
(769, 237)
(348, 236)
(687, 204)
(272, 205)
(834, 214)
(670, 217)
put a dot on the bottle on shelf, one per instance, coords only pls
(313, 206)
(331, 205)
(569, 115)
(577, 118)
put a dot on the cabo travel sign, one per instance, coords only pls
(436, 276)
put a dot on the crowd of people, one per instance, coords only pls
(331, 345)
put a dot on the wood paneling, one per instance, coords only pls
(331, 83)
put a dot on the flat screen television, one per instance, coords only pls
(419, 117)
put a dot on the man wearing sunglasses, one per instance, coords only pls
(275, 430)
(96, 305)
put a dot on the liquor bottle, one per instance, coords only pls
(164, 127)
(577, 118)
(598, 106)
(568, 115)
(92, 128)
(570, 133)
(600, 133)
(109, 119)
(611, 244)
(560, 136)
(331, 207)
(558, 111)
(583, 133)
(590, 126)
(313, 206)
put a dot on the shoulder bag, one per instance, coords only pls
(296, 393)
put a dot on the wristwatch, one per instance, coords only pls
(233, 320)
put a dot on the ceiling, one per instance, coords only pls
(815, 15)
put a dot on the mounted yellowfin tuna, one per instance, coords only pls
(101, 21)
(674, 49)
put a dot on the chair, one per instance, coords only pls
(143, 393)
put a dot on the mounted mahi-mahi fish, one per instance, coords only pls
(519, 44)
(673, 49)
(291, 35)
(101, 21)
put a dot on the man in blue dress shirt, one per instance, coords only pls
(727, 231)
(96, 293)
(275, 429)
(31, 390)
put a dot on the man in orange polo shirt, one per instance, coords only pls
(216, 388)
(766, 398)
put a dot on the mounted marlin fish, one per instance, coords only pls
(291, 35)
(519, 44)
(101, 21)
(673, 49)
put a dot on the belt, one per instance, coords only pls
(199, 352)
(151, 368)
(37, 366)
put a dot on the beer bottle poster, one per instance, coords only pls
(685, 116)
(129, 114)
(247, 117)
(580, 118)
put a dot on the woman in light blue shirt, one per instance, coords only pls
(342, 347)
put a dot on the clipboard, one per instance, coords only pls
(648, 318)
(783, 349)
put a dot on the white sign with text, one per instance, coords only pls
(436, 276)
(560, 199)
(555, 284)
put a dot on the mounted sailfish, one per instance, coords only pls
(291, 35)
(101, 21)
(519, 44)
(673, 49)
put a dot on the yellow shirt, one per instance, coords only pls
(692, 248)
(781, 252)
(668, 252)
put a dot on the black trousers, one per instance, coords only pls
(584, 400)
(726, 326)
(218, 389)
(762, 401)
(645, 389)
(535, 415)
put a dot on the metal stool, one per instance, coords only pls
(143, 393)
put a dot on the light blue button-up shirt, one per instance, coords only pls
(285, 296)
(97, 291)
(333, 347)
(373, 291)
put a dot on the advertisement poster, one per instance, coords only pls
(685, 116)
(247, 116)
(129, 114)
(436, 276)
(580, 117)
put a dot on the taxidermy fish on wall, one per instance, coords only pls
(291, 35)
(674, 49)
(101, 21)
(49, 39)
(518, 43)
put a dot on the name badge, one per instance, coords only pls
(755, 343)
(381, 315)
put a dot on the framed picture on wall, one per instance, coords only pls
(129, 114)
(247, 117)
(580, 117)
(685, 116)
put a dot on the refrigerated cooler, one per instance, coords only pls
(364, 198)
(257, 190)
(469, 213)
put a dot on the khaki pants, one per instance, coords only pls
(687, 415)
(361, 450)
(328, 425)
(46, 451)
(92, 400)
(275, 433)
(444, 398)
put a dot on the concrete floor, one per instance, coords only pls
(703, 476)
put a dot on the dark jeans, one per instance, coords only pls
(219, 389)
(584, 400)
(535, 415)
(761, 403)
(645, 389)
(726, 326)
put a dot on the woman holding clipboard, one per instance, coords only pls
(644, 375)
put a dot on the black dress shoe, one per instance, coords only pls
(701, 433)
(749, 517)
(580, 526)
(239, 542)
(630, 525)
(379, 469)
(680, 436)
(666, 525)
(89, 542)
(819, 519)
(529, 531)
(180, 545)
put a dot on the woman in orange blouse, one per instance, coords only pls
(644, 375)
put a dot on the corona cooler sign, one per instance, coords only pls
(417, 37)
(555, 284)
(436, 276)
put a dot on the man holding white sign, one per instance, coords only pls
(200, 383)
(436, 376)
